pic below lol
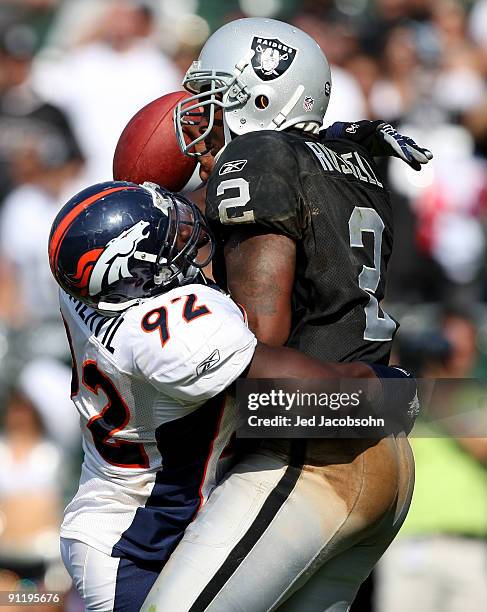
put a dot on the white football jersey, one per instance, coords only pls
(149, 386)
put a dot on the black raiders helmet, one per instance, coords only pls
(116, 243)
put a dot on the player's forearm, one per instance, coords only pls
(260, 271)
(284, 362)
(397, 402)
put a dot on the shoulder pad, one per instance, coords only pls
(186, 342)
(257, 181)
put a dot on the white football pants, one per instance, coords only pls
(104, 583)
(280, 535)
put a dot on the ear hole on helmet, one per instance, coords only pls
(261, 102)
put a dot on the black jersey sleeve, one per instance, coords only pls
(256, 181)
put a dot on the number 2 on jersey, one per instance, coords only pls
(114, 417)
(236, 203)
(378, 329)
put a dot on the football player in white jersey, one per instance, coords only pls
(154, 348)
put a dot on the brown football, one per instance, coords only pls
(148, 149)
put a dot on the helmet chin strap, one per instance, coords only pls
(193, 274)
(308, 126)
(240, 66)
(110, 308)
(281, 116)
(173, 273)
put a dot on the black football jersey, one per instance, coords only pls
(329, 198)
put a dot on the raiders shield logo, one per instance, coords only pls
(272, 58)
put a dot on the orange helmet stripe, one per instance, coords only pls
(62, 228)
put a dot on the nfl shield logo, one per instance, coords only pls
(272, 57)
(308, 104)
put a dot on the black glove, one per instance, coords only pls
(381, 139)
(399, 403)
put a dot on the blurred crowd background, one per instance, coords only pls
(73, 72)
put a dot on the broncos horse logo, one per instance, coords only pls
(84, 268)
(111, 262)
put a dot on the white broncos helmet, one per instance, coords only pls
(263, 73)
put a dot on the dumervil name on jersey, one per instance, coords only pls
(102, 327)
(346, 163)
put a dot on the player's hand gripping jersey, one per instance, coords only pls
(329, 198)
(149, 386)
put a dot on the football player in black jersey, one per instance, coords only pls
(305, 228)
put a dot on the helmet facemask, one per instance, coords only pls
(213, 90)
(178, 260)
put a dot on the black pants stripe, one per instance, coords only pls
(262, 521)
